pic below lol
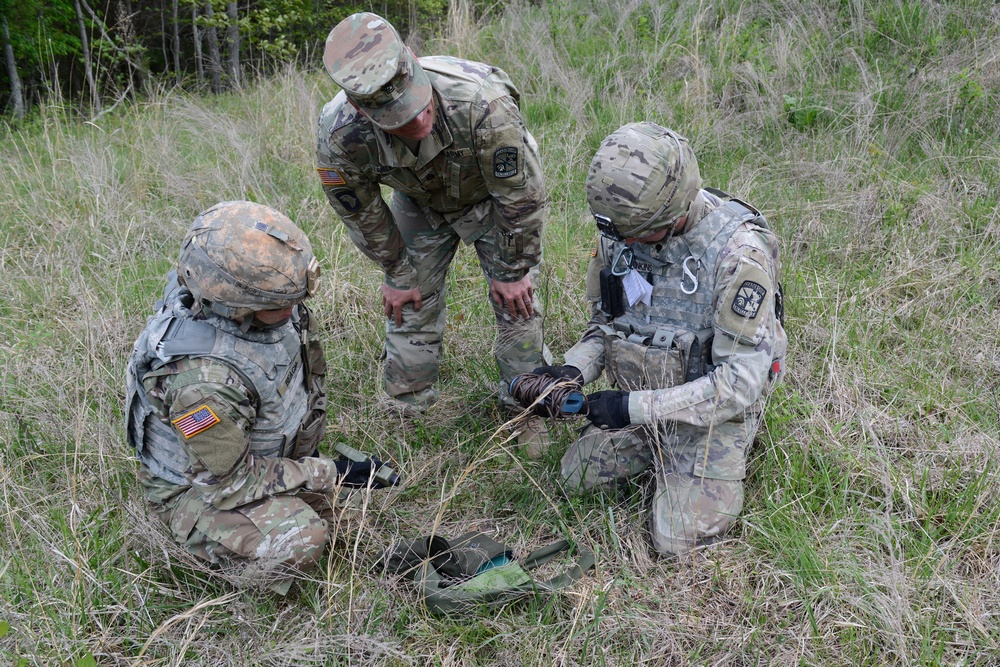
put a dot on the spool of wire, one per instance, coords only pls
(548, 396)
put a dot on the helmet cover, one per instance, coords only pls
(239, 257)
(641, 180)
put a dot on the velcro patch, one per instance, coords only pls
(743, 305)
(197, 421)
(348, 199)
(505, 162)
(330, 177)
(748, 299)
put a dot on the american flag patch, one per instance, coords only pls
(196, 421)
(330, 177)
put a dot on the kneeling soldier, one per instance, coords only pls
(686, 322)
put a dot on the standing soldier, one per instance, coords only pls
(225, 403)
(447, 136)
(686, 322)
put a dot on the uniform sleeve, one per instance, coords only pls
(511, 165)
(746, 332)
(358, 201)
(588, 354)
(212, 416)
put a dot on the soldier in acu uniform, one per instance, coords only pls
(686, 323)
(225, 403)
(447, 136)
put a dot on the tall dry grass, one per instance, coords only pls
(866, 133)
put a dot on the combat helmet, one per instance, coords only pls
(239, 257)
(641, 180)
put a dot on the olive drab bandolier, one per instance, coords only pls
(274, 364)
(669, 342)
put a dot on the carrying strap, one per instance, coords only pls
(457, 577)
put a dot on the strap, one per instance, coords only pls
(186, 337)
(584, 564)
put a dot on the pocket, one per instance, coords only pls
(465, 180)
(634, 366)
(721, 452)
(311, 431)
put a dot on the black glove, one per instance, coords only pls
(359, 474)
(608, 409)
(560, 372)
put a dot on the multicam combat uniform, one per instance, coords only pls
(476, 178)
(697, 361)
(225, 424)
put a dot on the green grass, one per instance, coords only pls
(866, 132)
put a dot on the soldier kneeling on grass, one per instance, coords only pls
(686, 323)
(225, 402)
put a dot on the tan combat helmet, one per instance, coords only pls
(365, 56)
(642, 179)
(239, 257)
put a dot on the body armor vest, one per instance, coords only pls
(270, 363)
(669, 342)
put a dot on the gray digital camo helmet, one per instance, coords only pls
(239, 257)
(641, 180)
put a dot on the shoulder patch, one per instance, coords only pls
(330, 177)
(197, 421)
(348, 199)
(746, 303)
(505, 162)
(748, 299)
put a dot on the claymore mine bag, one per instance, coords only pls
(474, 570)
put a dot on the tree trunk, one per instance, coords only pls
(233, 40)
(176, 43)
(85, 45)
(163, 36)
(15, 80)
(214, 59)
(197, 44)
(137, 74)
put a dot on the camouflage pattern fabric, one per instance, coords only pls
(604, 458)
(476, 178)
(690, 511)
(413, 350)
(688, 507)
(258, 244)
(234, 504)
(642, 186)
(699, 431)
(365, 56)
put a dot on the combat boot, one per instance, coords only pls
(412, 404)
(534, 438)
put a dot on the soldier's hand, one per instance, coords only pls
(608, 409)
(565, 372)
(394, 299)
(516, 296)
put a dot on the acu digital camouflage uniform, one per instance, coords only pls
(699, 358)
(476, 179)
(225, 418)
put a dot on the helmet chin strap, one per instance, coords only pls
(257, 324)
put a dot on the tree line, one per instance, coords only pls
(94, 53)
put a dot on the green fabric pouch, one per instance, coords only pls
(473, 571)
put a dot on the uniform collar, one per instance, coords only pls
(393, 152)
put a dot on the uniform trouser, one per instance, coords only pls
(278, 534)
(413, 350)
(689, 507)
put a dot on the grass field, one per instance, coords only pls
(866, 132)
